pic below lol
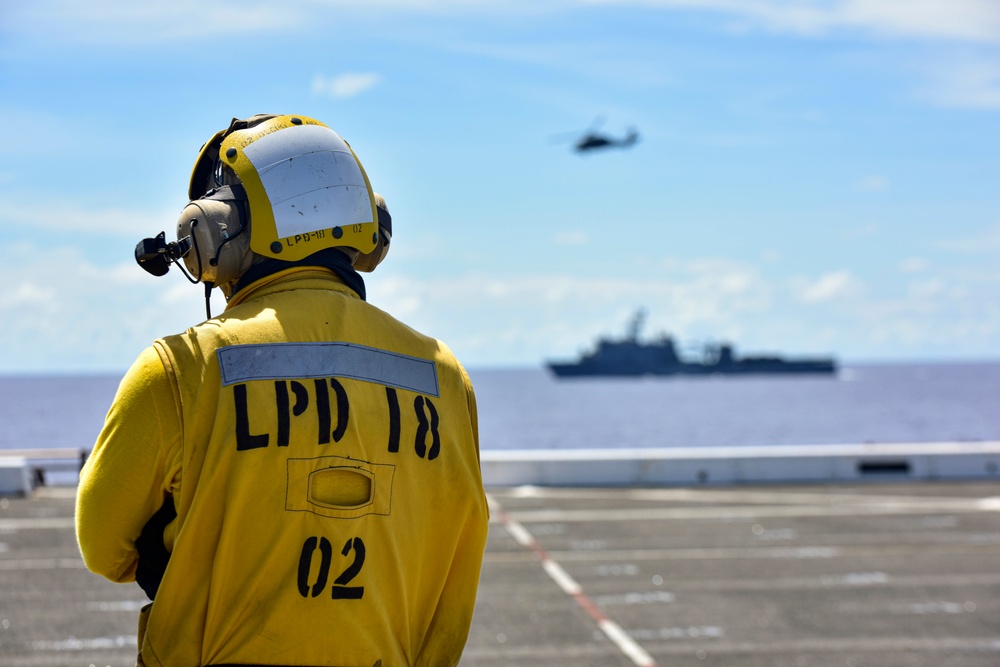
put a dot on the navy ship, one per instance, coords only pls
(632, 357)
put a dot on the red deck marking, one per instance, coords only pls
(612, 630)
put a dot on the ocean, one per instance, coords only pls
(530, 409)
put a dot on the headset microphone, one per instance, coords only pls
(155, 254)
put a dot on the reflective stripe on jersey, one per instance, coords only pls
(286, 361)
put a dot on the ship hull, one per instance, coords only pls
(744, 367)
(631, 357)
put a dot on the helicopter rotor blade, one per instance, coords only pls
(597, 123)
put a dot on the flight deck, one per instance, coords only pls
(887, 574)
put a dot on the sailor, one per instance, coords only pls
(295, 481)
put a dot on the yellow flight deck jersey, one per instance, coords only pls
(323, 460)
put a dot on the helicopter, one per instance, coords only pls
(593, 140)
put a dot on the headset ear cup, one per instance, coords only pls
(194, 223)
(210, 223)
(366, 262)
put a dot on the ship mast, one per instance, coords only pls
(636, 325)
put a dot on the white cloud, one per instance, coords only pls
(985, 241)
(973, 20)
(26, 293)
(349, 84)
(127, 22)
(771, 256)
(926, 290)
(914, 265)
(828, 287)
(976, 20)
(529, 317)
(874, 183)
(63, 312)
(970, 82)
(533, 314)
(76, 220)
(571, 238)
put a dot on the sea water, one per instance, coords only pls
(859, 404)
(531, 409)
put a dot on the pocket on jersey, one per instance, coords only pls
(339, 487)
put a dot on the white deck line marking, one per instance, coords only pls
(560, 576)
(568, 585)
(40, 523)
(625, 643)
(42, 564)
(96, 643)
(758, 452)
(522, 536)
(990, 504)
(745, 496)
(744, 512)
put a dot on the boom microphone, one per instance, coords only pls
(155, 254)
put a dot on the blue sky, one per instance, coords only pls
(813, 177)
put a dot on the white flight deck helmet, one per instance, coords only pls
(294, 185)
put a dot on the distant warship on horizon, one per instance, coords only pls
(632, 357)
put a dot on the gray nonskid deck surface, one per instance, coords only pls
(805, 576)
